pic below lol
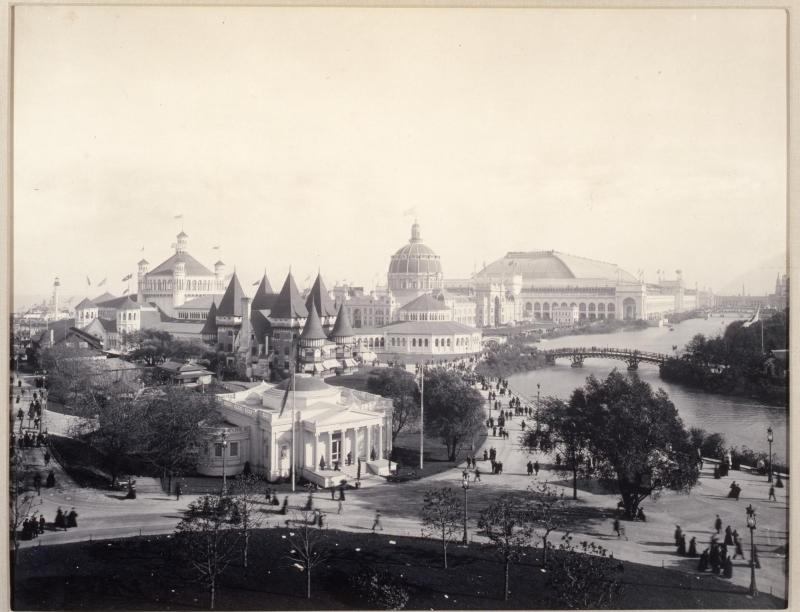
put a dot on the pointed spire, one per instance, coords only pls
(320, 299)
(261, 299)
(312, 332)
(289, 304)
(231, 303)
(210, 327)
(341, 329)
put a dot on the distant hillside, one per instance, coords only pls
(759, 280)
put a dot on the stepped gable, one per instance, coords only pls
(265, 295)
(289, 304)
(341, 329)
(321, 300)
(313, 328)
(231, 303)
(210, 327)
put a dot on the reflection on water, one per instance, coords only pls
(742, 421)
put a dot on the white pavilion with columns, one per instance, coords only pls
(334, 423)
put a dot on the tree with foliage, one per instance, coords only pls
(583, 576)
(245, 490)
(442, 513)
(636, 438)
(505, 524)
(379, 589)
(208, 540)
(172, 428)
(453, 409)
(561, 428)
(547, 512)
(308, 546)
(400, 386)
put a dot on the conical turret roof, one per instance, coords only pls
(320, 298)
(289, 304)
(210, 327)
(341, 329)
(231, 303)
(313, 328)
(264, 294)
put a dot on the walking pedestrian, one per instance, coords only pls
(177, 491)
(682, 545)
(377, 523)
(678, 534)
(693, 547)
(51, 479)
(339, 507)
(772, 493)
(59, 522)
(42, 523)
(718, 524)
(617, 527)
(37, 482)
(530, 468)
(72, 518)
(536, 467)
(477, 475)
(737, 542)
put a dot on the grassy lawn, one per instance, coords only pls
(149, 573)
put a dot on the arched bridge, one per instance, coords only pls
(578, 354)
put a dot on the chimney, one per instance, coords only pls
(244, 333)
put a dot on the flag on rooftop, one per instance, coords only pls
(101, 283)
(126, 291)
(128, 277)
(88, 281)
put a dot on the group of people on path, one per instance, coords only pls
(28, 440)
(33, 527)
(717, 556)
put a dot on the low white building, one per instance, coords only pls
(333, 425)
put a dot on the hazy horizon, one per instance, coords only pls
(312, 138)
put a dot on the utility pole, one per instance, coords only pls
(422, 416)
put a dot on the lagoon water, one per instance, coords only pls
(742, 421)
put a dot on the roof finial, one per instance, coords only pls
(415, 237)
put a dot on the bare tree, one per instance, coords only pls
(505, 524)
(442, 513)
(208, 540)
(546, 513)
(244, 496)
(308, 548)
(22, 500)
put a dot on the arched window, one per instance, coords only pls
(413, 342)
(426, 343)
(436, 342)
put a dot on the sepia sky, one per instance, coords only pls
(655, 139)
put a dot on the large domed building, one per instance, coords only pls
(563, 288)
(414, 269)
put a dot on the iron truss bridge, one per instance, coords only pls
(578, 354)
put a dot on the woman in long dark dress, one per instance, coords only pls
(728, 536)
(693, 547)
(682, 546)
(703, 563)
(60, 523)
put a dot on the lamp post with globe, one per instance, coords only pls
(465, 486)
(751, 525)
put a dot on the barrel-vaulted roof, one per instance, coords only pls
(544, 265)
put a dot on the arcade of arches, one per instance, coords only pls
(592, 311)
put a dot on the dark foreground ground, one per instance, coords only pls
(148, 573)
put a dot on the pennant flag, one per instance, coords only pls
(127, 278)
(216, 248)
(126, 291)
(88, 281)
(179, 216)
(291, 378)
(753, 319)
(255, 283)
(101, 283)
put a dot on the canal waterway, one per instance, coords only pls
(743, 421)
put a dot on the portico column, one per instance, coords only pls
(369, 442)
(380, 442)
(314, 459)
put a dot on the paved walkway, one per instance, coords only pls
(106, 514)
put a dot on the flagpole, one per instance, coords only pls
(422, 417)
(294, 459)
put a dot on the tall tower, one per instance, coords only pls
(56, 290)
(219, 274)
(144, 266)
(179, 284)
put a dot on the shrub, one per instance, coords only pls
(714, 446)
(380, 589)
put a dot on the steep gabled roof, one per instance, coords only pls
(231, 303)
(85, 303)
(289, 304)
(210, 327)
(320, 298)
(265, 295)
(313, 328)
(104, 297)
(341, 329)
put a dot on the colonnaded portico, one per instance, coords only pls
(339, 425)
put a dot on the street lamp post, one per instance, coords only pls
(538, 390)
(465, 485)
(751, 524)
(769, 439)
(224, 451)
